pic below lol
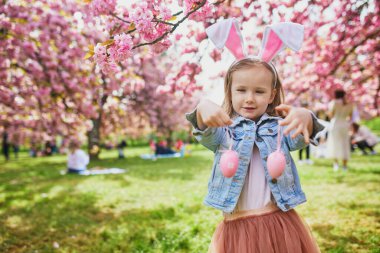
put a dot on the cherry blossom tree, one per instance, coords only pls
(165, 110)
(340, 48)
(70, 67)
(47, 87)
(43, 81)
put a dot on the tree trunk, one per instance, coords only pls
(94, 134)
(376, 104)
(94, 139)
(169, 138)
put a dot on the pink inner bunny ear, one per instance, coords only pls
(279, 36)
(227, 33)
(235, 43)
(271, 46)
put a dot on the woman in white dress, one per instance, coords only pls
(338, 140)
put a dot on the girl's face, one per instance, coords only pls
(252, 91)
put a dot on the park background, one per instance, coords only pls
(103, 71)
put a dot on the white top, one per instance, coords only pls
(365, 134)
(341, 114)
(256, 192)
(338, 140)
(78, 160)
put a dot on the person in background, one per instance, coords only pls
(163, 149)
(338, 140)
(5, 143)
(120, 148)
(33, 149)
(16, 149)
(152, 145)
(178, 145)
(320, 151)
(305, 104)
(54, 147)
(48, 149)
(15, 140)
(363, 138)
(77, 159)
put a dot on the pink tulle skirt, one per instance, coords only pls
(266, 230)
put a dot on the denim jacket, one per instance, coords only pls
(223, 192)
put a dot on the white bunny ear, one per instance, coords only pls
(278, 37)
(227, 33)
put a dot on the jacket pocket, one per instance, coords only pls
(286, 185)
(237, 135)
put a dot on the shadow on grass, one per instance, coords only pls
(73, 222)
(333, 242)
(363, 208)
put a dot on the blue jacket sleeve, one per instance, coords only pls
(210, 137)
(299, 142)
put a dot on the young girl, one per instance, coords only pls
(258, 210)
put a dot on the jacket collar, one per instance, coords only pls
(238, 119)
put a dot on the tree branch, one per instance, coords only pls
(119, 18)
(163, 22)
(174, 27)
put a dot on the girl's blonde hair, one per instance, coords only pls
(244, 64)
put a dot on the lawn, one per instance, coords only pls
(157, 206)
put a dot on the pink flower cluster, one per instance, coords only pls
(216, 55)
(203, 13)
(100, 7)
(189, 5)
(161, 46)
(101, 59)
(164, 12)
(121, 49)
(142, 17)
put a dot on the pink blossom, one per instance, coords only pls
(164, 12)
(200, 36)
(100, 53)
(161, 46)
(121, 49)
(108, 67)
(204, 12)
(162, 89)
(100, 7)
(189, 5)
(190, 49)
(178, 36)
(216, 55)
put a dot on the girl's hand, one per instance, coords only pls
(298, 119)
(210, 114)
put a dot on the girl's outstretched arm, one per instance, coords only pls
(302, 124)
(208, 120)
(298, 119)
(210, 114)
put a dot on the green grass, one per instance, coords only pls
(374, 125)
(157, 206)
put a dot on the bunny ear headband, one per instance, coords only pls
(226, 33)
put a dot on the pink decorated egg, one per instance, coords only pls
(229, 163)
(276, 164)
